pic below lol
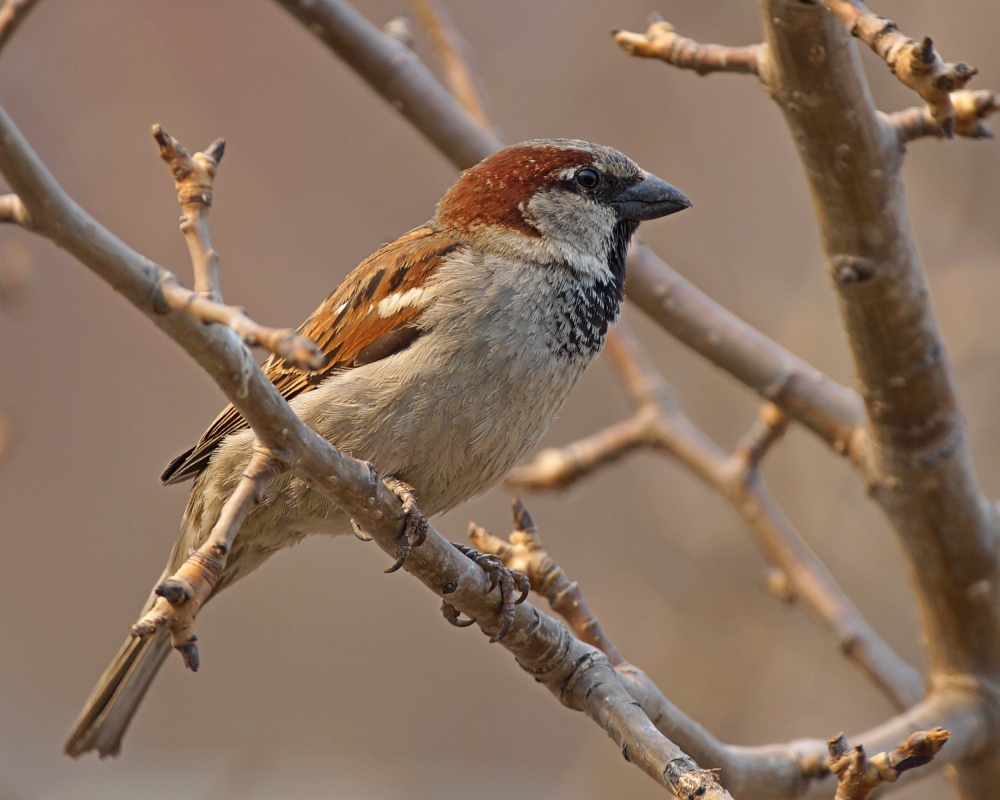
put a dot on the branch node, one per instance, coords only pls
(858, 775)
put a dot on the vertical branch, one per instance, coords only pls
(920, 469)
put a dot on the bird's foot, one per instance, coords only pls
(415, 530)
(179, 598)
(514, 588)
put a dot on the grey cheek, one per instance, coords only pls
(572, 220)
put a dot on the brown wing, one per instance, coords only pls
(369, 317)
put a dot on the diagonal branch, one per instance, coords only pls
(525, 554)
(662, 41)
(455, 56)
(916, 64)
(395, 72)
(659, 424)
(831, 411)
(578, 675)
(792, 770)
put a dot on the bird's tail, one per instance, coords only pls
(116, 697)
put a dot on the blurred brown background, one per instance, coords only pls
(321, 677)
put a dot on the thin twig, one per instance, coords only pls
(662, 41)
(833, 412)
(194, 178)
(455, 56)
(524, 553)
(858, 776)
(658, 423)
(12, 14)
(395, 72)
(12, 211)
(580, 676)
(916, 64)
(182, 594)
(971, 108)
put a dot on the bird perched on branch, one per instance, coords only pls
(447, 354)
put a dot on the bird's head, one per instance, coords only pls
(557, 200)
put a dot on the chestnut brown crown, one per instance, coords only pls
(567, 193)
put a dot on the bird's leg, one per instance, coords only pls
(180, 597)
(415, 529)
(514, 588)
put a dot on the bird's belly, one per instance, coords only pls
(452, 434)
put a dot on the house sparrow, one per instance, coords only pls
(448, 353)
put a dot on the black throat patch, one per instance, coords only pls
(585, 309)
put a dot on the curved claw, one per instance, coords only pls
(509, 581)
(453, 615)
(415, 529)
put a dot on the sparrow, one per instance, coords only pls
(447, 354)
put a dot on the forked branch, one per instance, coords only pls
(659, 424)
(916, 64)
(194, 178)
(524, 553)
(858, 776)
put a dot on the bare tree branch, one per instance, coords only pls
(194, 178)
(525, 554)
(455, 56)
(833, 412)
(660, 424)
(180, 596)
(800, 769)
(12, 210)
(662, 41)
(971, 108)
(392, 70)
(792, 770)
(578, 675)
(920, 469)
(916, 64)
(858, 776)
(12, 14)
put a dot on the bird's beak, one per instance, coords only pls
(650, 198)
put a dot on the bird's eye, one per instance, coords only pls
(588, 178)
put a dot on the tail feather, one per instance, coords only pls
(114, 701)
